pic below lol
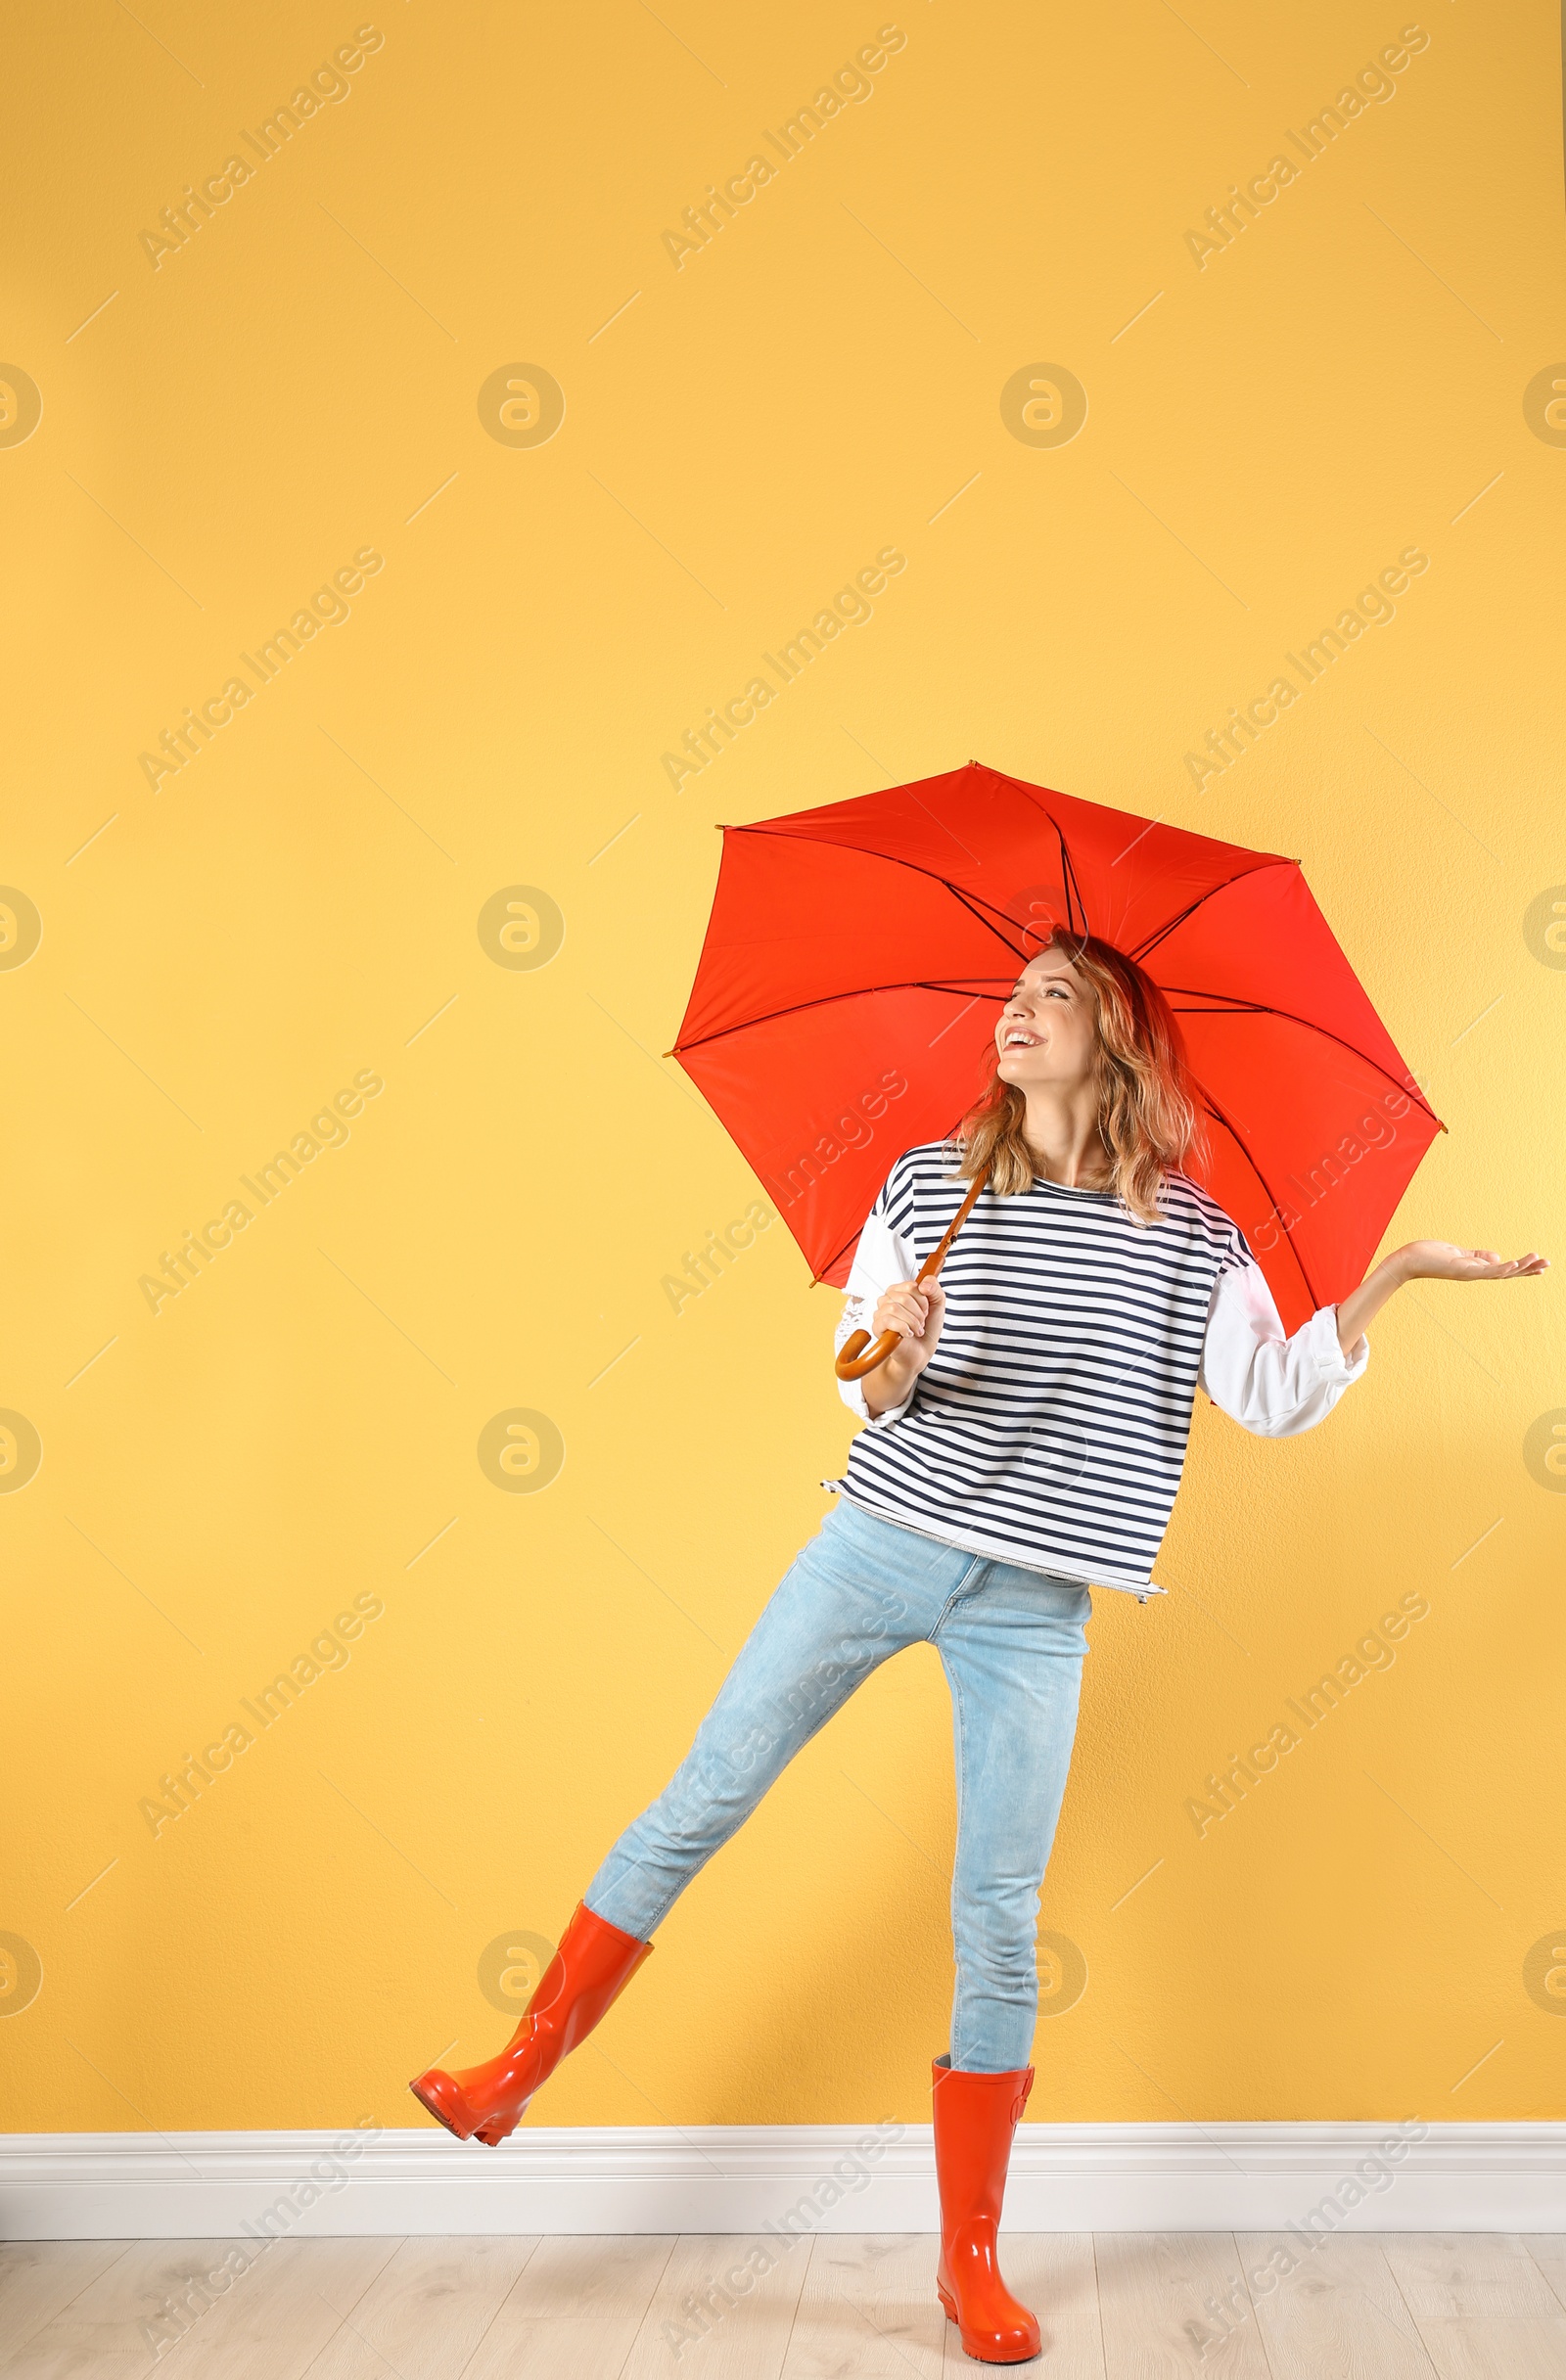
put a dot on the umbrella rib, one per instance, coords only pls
(1267, 860)
(969, 900)
(892, 861)
(1073, 890)
(829, 999)
(1219, 1117)
(819, 1280)
(1067, 869)
(973, 902)
(1258, 1008)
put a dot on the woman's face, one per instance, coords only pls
(1048, 1032)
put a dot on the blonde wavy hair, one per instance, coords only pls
(1148, 1115)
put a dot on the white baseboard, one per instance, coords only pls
(752, 2177)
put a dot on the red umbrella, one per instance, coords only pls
(857, 957)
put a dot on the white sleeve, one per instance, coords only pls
(882, 1257)
(1272, 1385)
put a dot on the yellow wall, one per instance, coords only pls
(299, 906)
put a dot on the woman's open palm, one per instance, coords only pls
(1441, 1261)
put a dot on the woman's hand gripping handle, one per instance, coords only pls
(908, 1318)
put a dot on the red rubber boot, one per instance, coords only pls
(975, 2117)
(581, 1983)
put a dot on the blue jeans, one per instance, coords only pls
(1011, 1642)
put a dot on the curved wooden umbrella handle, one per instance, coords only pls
(852, 1361)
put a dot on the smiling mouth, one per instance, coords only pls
(1017, 1040)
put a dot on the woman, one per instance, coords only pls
(1027, 1436)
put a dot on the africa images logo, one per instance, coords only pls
(328, 1130)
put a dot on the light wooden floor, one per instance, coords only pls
(1481, 2306)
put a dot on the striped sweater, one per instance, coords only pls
(1049, 1426)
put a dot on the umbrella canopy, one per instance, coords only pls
(857, 957)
